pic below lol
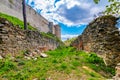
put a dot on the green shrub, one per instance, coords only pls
(11, 1)
(109, 69)
(93, 58)
(98, 64)
(55, 61)
(63, 66)
(6, 65)
(76, 63)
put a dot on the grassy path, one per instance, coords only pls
(61, 64)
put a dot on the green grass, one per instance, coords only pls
(97, 64)
(60, 63)
(68, 42)
(16, 21)
(51, 36)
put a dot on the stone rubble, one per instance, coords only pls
(43, 55)
(1, 57)
(117, 76)
(34, 54)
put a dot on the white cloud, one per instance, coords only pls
(72, 3)
(94, 10)
(85, 5)
(119, 29)
(59, 13)
(46, 5)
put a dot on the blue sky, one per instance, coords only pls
(71, 15)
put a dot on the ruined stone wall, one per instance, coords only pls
(14, 8)
(102, 37)
(57, 31)
(13, 39)
(78, 43)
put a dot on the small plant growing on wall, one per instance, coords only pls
(11, 1)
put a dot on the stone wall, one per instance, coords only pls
(102, 37)
(57, 31)
(117, 75)
(14, 8)
(13, 39)
(78, 43)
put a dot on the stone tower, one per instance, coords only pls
(57, 31)
(50, 25)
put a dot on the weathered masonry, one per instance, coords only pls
(14, 8)
(102, 37)
(13, 39)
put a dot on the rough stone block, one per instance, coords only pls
(102, 30)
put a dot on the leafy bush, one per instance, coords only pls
(98, 64)
(6, 65)
(76, 63)
(93, 58)
(63, 66)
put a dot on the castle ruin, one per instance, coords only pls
(14, 8)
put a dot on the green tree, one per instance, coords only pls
(113, 8)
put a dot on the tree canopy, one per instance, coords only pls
(113, 8)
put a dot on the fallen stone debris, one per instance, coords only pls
(117, 76)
